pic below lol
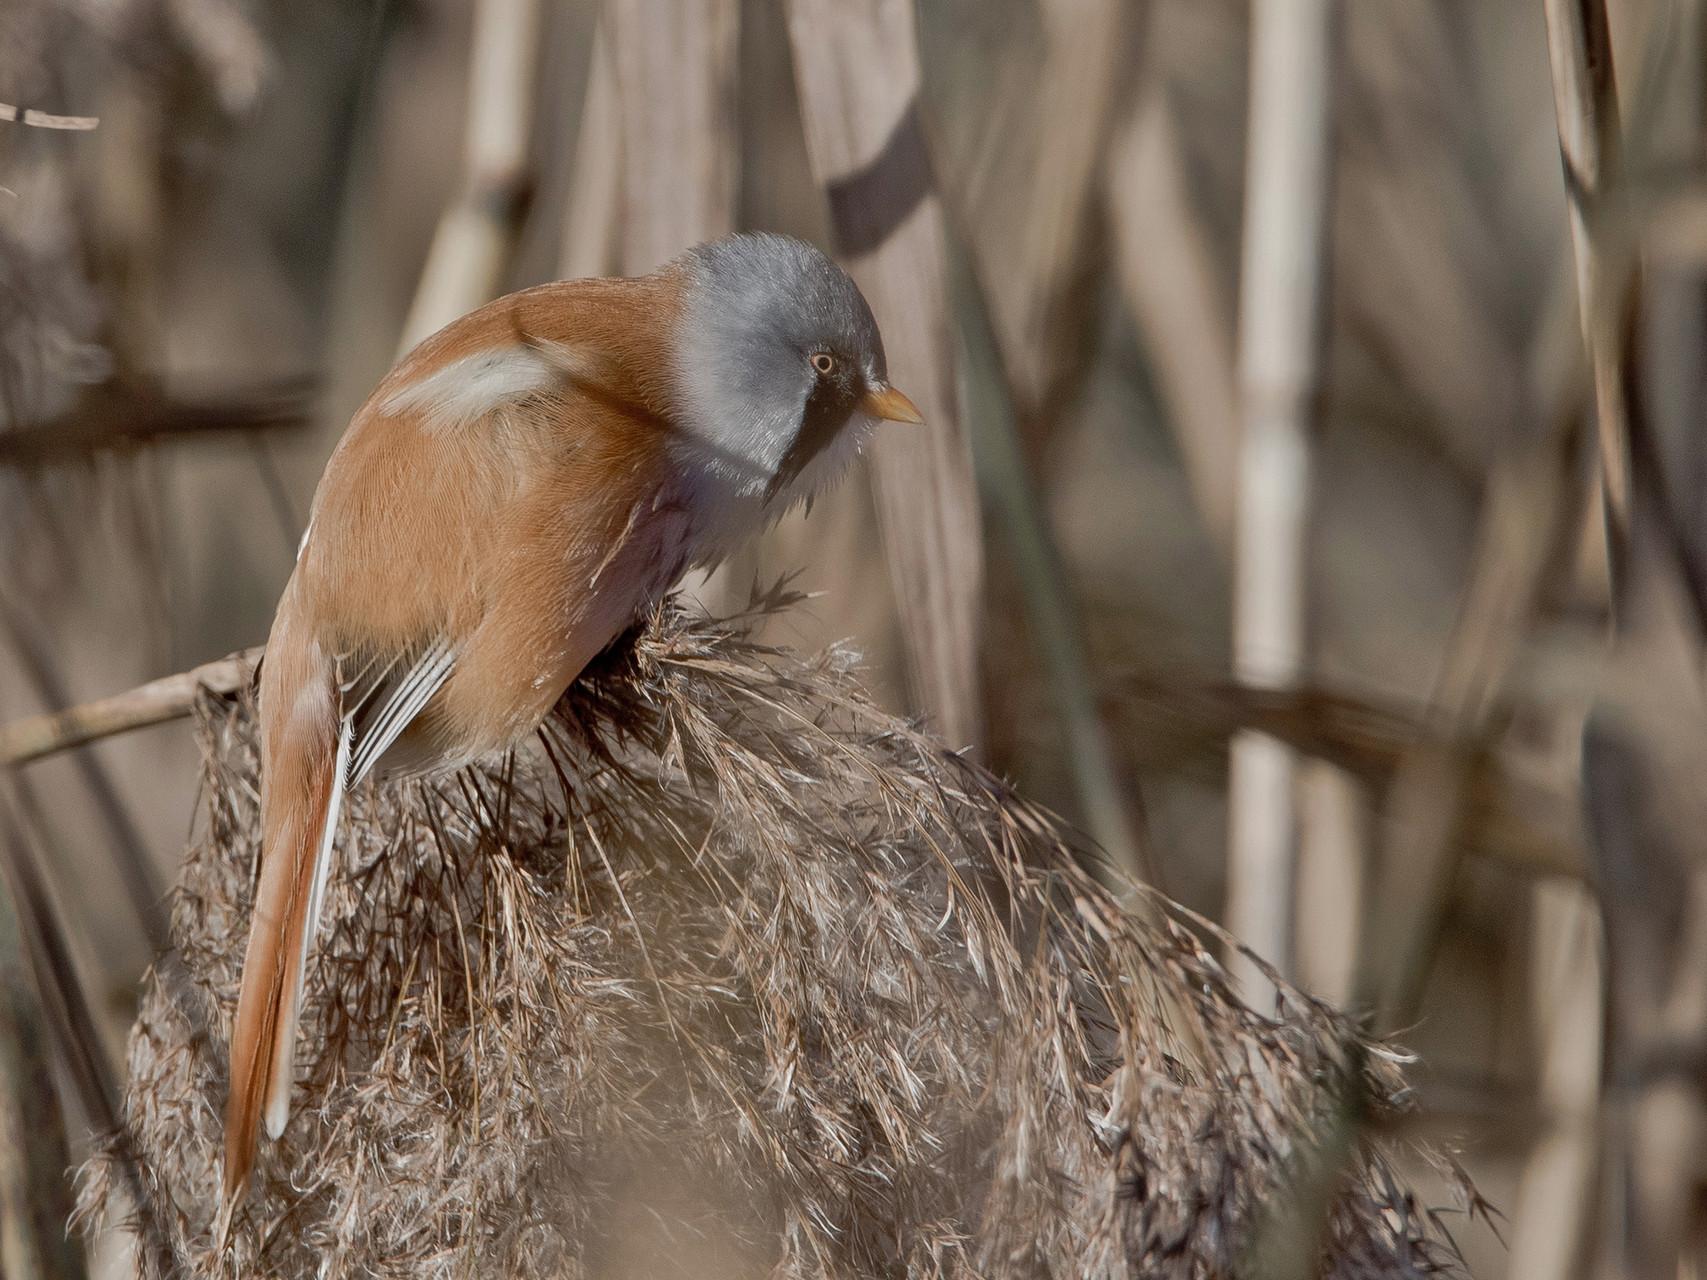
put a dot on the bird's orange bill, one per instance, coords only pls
(888, 403)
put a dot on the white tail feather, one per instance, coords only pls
(277, 1108)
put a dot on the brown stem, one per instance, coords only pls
(169, 698)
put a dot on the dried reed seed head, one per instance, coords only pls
(733, 974)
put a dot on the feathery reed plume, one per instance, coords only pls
(737, 974)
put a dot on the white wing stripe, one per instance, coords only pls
(466, 390)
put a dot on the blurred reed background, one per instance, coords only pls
(1288, 407)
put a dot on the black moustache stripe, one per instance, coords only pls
(827, 411)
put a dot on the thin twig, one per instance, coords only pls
(44, 120)
(1043, 117)
(278, 494)
(593, 213)
(123, 415)
(130, 852)
(1585, 97)
(1528, 510)
(157, 702)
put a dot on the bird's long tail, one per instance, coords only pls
(306, 749)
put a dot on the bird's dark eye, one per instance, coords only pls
(824, 363)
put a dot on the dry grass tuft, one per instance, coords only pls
(736, 974)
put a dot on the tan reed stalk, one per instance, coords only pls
(1168, 273)
(465, 264)
(674, 65)
(1585, 98)
(592, 217)
(35, 1201)
(1105, 800)
(857, 67)
(1288, 179)
(1032, 176)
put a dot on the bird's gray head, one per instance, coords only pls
(780, 374)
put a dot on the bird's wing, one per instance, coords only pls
(381, 696)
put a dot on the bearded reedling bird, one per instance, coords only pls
(515, 492)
